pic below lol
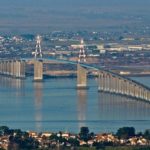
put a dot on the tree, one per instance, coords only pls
(74, 142)
(91, 135)
(139, 134)
(54, 137)
(121, 37)
(4, 130)
(147, 134)
(84, 133)
(125, 132)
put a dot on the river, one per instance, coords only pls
(56, 105)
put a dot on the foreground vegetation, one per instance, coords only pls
(124, 139)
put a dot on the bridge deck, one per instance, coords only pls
(109, 81)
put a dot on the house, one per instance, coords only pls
(33, 134)
(46, 134)
(82, 143)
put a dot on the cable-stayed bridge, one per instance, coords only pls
(107, 81)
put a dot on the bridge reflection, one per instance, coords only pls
(117, 107)
(13, 84)
(29, 105)
(38, 96)
(82, 107)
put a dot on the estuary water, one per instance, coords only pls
(56, 105)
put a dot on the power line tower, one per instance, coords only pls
(82, 55)
(38, 50)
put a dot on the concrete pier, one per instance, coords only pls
(13, 68)
(38, 70)
(22, 70)
(81, 77)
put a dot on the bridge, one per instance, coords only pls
(108, 81)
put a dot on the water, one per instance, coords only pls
(55, 105)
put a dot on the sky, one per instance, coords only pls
(17, 16)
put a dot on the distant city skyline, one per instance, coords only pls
(32, 16)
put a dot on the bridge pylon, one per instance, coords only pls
(81, 71)
(38, 50)
(82, 55)
(81, 77)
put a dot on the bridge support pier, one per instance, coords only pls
(13, 68)
(4, 67)
(81, 77)
(22, 70)
(112, 83)
(38, 70)
(8, 68)
(0, 67)
(100, 82)
(12, 71)
(17, 68)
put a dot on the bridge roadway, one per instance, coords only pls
(108, 81)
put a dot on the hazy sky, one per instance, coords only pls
(44, 15)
